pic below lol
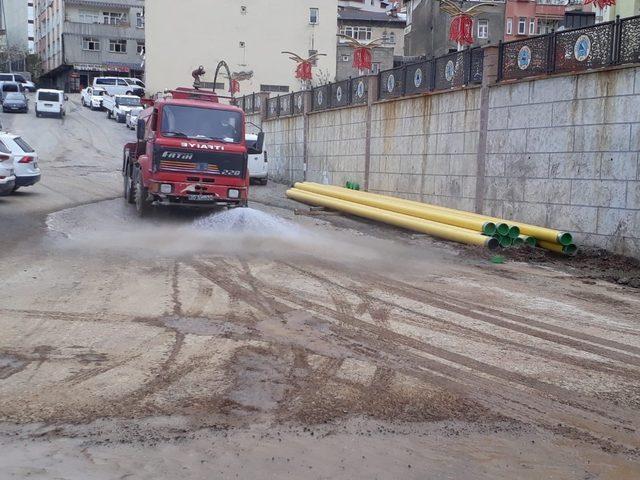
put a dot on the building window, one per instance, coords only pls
(389, 38)
(314, 16)
(547, 26)
(118, 46)
(139, 20)
(359, 33)
(140, 48)
(90, 17)
(522, 25)
(483, 29)
(114, 18)
(346, 58)
(532, 26)
(375, 68)
(90, 43)
(509, 26)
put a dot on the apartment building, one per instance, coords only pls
(19, 19)
(365, 25)
(78, 40)
(368, 5)
(427, 31)
(525, 18)
(248, 34)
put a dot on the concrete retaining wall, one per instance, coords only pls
(560, 151)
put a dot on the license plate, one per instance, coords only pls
(48, 104)
(201, 198)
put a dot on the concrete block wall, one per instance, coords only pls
(564, 152)
(284, 140)
(560, 151)
(425, 148)
(336, 146)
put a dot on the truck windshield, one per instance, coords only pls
(201, 123)
(129, 102)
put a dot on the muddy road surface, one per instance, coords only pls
(257, 343)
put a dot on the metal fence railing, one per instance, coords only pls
(586, 48)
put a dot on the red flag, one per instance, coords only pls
(601, 3)
(461, 30)
(303, 71)
(362, 58)
(234, 86)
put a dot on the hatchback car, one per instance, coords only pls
(24, 159)
(15, 102)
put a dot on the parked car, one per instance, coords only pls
(118, 86)
(92, 97)
(7, 176)
(136, 82)
(7, 87)
(117, 106)
(15, 102)
(258, 162)
(27, 85)
(132, 118)
(24, 159)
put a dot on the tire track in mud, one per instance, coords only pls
(513, 376)
(562, 410)
(566, 337)
(418, 293)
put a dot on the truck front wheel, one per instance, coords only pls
(143, 206)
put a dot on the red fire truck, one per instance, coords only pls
(190, 151)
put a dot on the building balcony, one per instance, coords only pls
(550, 11)
(102, 30)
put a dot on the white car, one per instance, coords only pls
(118, 86)
(51, 102)
(118, 106)
(24, 159)
(92, 97)
(7, 177)
(132, 118)
(258, 161)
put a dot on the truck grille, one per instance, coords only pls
(213, 163)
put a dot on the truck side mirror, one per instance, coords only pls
(260, 142)
(140, 129)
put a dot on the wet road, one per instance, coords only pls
(260, 344)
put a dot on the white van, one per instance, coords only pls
(118, 86)
(50, 102)
(258, 163)
(16, 77)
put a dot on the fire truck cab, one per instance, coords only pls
(190, 151)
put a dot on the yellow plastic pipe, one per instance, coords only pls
(570, 249)
(477, 225)
(447, 232)
(541, 233)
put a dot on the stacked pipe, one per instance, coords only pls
(447, 223)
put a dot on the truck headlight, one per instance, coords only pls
(233, 193)
(165, 188)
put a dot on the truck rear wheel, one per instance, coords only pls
(129, 190)
(143, 206)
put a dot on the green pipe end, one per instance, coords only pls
(506, 241)
(531, 241)
(514, 232)
(502, 229)
(518, 241)
(570, 249)
(565, 238)
(492, 243)
(489, 228)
